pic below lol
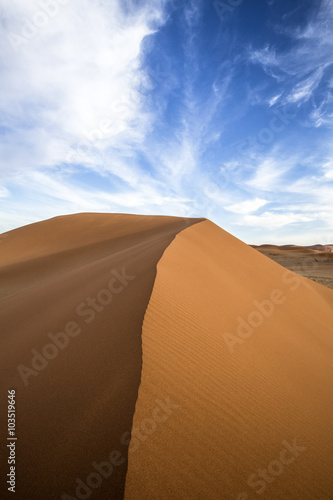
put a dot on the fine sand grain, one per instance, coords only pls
(224, 392)
(73, 408)
(236, 407)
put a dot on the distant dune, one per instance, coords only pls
(322, 248)
(162, 358)
(295, 248)
(313, 262)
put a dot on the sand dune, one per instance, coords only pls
(217, 371)
(283, 249)
(315, 262)
(75, 402)
(322, 248)
(238, 399)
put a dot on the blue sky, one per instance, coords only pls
(193, 108)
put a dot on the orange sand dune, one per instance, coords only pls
(212, 379)
(243, 349)
(74, 291)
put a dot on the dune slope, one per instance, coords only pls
(235, 400)
(74, 291)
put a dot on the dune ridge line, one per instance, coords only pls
(235, 413)
(69, 318)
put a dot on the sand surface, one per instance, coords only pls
(234, 405)
(73, 411)
(218, 370)
(314, 262)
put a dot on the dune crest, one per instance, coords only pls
(240, 350)
(211, 379)
(74, 292)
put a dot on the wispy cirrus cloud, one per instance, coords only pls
(304, 90)
(77, 75)
(270, 173)
(301, 200)
(160, 108)
(301, 69)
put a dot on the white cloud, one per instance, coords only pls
(274, 100)
(266, 57)
(247, 206)
(78, 103)
(3, 192)
(276, 220)
(328, 170)
(302, 67)
(269, 173)
(78, 75)
(304, 90)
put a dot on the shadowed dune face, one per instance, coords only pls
(225, 392)
(74, 291)
(240, 351)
